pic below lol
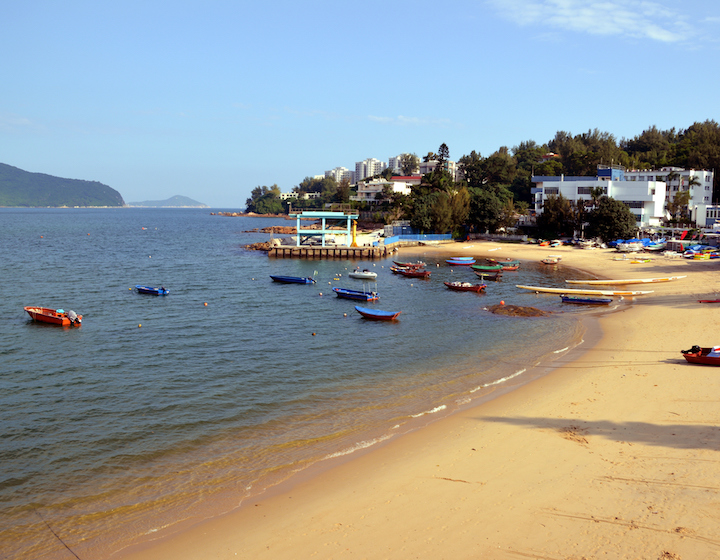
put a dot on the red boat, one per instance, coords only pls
(511, 267)
(466, 286)
(707, 356)
(54, 316)
(418, 264)
(709, 301)
(411, 272)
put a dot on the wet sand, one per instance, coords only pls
(612, 454)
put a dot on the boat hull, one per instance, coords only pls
(363, 275)
(52, 316)
(542, 289)
(152, 290)
(628, 281)
(459, 287)
(292, 279)
(411, 272)
(377, 314)
(488, 267)
(697, 355)
(345, 293)
(586, 300)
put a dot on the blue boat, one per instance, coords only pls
(584, 300)
(377, 314)
(355, 294)
(292, 279)
(152, 290)
(457, 261)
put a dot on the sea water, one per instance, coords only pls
(159, 410)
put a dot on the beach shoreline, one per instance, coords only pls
(544, 456)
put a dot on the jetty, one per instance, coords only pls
(329, 252)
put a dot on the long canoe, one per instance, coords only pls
(585, 292)
(628, 281)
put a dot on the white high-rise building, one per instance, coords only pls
(368, 168)
(340, 173)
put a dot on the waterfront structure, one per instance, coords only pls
(325, 219)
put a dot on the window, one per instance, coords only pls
(552, 190)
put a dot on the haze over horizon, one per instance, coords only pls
(210, 100)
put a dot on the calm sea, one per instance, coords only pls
(163, 409)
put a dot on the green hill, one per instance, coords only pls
(22, 188)
(176, 201)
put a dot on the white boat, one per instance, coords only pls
(628, 281)
(363, 274)
(542, 289)
(630, 247)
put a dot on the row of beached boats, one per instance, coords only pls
(69, 318)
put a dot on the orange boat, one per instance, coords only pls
(54, 316)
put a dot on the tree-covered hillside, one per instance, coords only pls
(22, 188)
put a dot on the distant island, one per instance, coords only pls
(172, 202)
(26, 189)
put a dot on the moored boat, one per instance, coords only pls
(510, 267)
(460, 262)
(364, 274)
(377, 314)
(507, 261)
(410, 272)
(54, 316)
(292, 279)
(586, 300)
(551, 259)
(492, 276)
(466, 286)
(346, 293)
(489, 267)
(418, 264)
(152, 290)
(706, 356)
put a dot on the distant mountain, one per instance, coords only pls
(172, 202)
(23, 188)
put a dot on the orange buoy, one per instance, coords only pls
(139, 326)
(206, 304)
(502, 302)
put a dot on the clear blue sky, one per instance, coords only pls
(209, 99)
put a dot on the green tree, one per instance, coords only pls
(557, 219)
(266, 194)
(409, 164)
(611, 220)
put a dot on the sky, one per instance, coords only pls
(210, 99)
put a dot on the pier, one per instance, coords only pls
(338, 252)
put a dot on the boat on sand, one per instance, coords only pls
(706, 356)
(543, 289)
(627, 281)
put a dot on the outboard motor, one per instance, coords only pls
(73, 317)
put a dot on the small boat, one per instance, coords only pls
(551, 259)
(709, 301)
(510, 267)
(152, 290)
(54, 316)
(363, 274)
(492, 276)
(418, 264)
(628, 281)
(707, 356)
(505, 262)
(460, 262)
(377, 314)
(355, 294)
(411, 272)
(462, 258)
(542, 289)
(586, 300)
(465, 286)
(292, 279)
(487, 267)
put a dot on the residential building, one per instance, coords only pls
(340, 173)
(646, 198)
(368, 168)
(368, 190)
(395, 163)
(429, 166)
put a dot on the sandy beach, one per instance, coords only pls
(613, 454)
